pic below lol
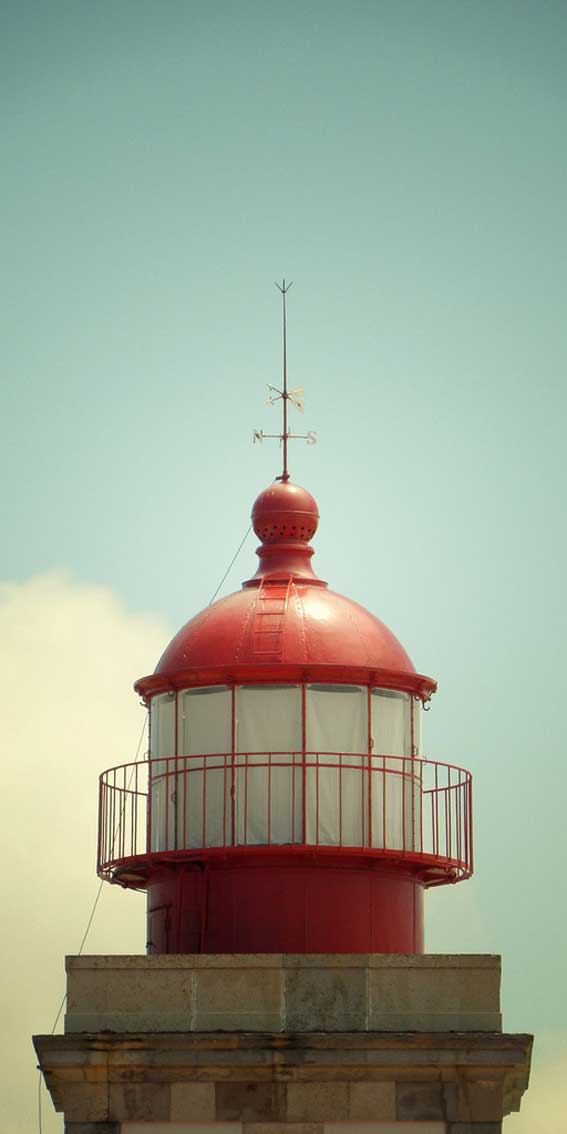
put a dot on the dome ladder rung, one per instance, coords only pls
(269, 618)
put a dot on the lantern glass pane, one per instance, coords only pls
(268, 781)
(162, 772)
(162, 726)
(204, 721)
(336, 781)
(395, 772)
(391, 722)
(204, 773)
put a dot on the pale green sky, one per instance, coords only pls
(405, 164)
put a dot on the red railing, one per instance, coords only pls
(384, 806)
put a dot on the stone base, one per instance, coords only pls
(270, 992)
(329, 1060)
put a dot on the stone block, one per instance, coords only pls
(92, 1128)
(419, 1101)
(236, 999)
(192, 1102)
(373, 1101)
(86, 1102)
(325, 999)
(282, 1128)
(379, 1128)
(477, 1100)
(433, 993)
(147, 1102)
(128, 994)
(250, 1102)
(180, 1128)
(317, 1102)
(118, 985)
(474, 1128)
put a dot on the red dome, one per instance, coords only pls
(285, 624)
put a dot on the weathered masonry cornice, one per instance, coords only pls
(257, 1078)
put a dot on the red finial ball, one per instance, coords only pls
(285, 512)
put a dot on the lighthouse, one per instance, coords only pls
(285, 827)
(286, 805)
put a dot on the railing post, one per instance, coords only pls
(471, 854)
(269, 825)
(370, 746)
(99, 843)
(204, 796)
(450, 799)
(403, 779)
(149, 809)
(303, 765)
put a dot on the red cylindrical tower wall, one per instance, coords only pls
(277, 908)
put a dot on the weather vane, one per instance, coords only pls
(284, 395)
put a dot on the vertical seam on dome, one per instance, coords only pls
(302, 620)
(245, 626)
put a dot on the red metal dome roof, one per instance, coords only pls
(285, 624)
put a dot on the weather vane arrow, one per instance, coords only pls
(295, 396)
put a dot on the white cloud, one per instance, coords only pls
(70, 654)
(544, 1106)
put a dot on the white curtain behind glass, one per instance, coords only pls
(268, 757)
(396, 783)
(337, 746)
(162, 790)
(204, 775)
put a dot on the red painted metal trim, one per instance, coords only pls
(269, 673)
(432, 870)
